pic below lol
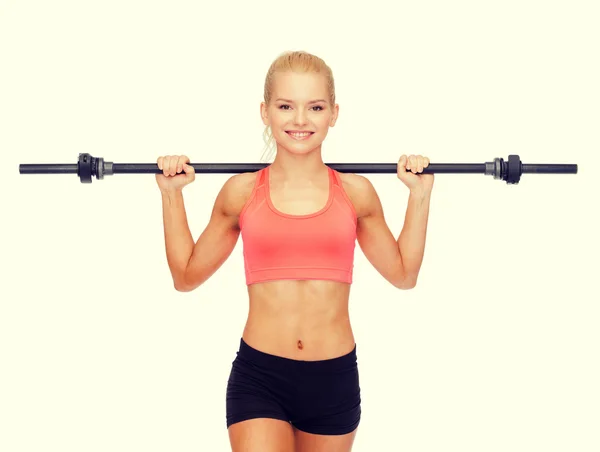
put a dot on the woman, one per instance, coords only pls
(294, 384)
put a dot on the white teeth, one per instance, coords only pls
(299, 135)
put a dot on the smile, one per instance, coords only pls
(300, 135)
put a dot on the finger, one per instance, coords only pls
(413, 163)
(180, 161)
(183, 160)
(173, 165)
(420, 164)
(166, 163)
(159, 162)
(402, 163)
(426, 162)
(415, 166)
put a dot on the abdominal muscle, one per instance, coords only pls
(301, 320)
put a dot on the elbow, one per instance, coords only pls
(406, 282)
(406, 285)
(185, 287)
(182, 288)
(181, 284)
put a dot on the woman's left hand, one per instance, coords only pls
(408, 169)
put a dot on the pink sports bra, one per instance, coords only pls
(278, 245)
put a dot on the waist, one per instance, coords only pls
(305, 320)
(342, 363)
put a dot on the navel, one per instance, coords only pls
(300, 345)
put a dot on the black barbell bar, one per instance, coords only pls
(507, 170)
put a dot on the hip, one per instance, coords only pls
(321, 397)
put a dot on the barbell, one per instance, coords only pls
(509, 170)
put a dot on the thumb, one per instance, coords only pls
(190, 173)
(402, 163)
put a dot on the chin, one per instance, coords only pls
(300, 148)
(295, 150)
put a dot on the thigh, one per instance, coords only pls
(309, 442)
(262, 435)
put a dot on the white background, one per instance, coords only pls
(496, 349)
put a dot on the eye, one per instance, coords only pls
(287, 107)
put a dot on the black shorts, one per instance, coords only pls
(321, 397)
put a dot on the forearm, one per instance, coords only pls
(179, 243)
(411, 241)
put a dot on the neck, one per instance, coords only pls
(294, 167)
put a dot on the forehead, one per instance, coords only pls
(300, 86)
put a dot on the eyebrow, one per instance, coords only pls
(291, 101)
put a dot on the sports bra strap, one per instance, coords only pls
(261, 176)
(336, 177)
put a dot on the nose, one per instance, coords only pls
(300, 117)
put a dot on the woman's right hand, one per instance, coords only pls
(171, 178)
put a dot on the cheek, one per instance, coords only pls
(277, 127)
(277, 121)
(323, 122)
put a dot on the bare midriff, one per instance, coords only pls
(302, 320)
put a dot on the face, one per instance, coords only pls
(299, 103)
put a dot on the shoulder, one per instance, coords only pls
(236, 191)
(361, 192)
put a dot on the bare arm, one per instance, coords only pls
(397, 260)
(411, 241)
(191, 264)
(178, 238)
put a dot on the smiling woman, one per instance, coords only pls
(294, 384)
(299, 111)
(288, 99)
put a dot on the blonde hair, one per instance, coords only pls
(297, 61)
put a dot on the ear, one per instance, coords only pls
(334, 116)
(263, 114)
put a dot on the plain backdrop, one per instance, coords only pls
(496, 349)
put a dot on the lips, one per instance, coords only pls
(299, 134)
